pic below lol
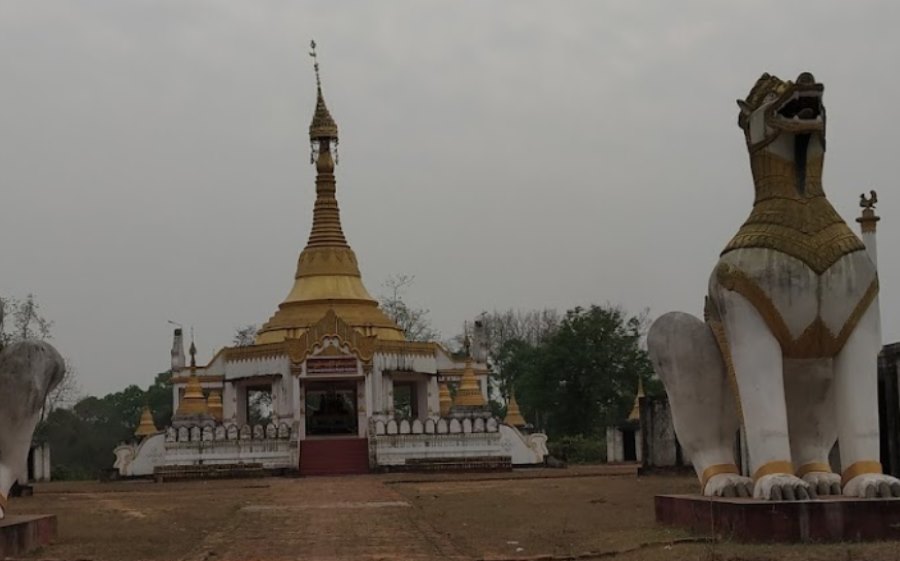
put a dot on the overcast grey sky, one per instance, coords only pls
(154, 155)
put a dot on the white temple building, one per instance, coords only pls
(349, 393)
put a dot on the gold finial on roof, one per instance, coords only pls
(868, 219)
(513, 414)
(146, 427)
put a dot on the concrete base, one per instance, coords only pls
(20, 534)
(830, 519)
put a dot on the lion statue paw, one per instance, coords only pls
(729, 485)
(781, 487)
(823, 483)
(872, 485)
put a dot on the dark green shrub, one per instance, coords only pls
(578, 449)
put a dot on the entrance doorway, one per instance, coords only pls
(331, 408)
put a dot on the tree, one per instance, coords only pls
(158, 398)
(583, 376)
(21, 320)
(494, 331)
(413, 321)
(245, 336)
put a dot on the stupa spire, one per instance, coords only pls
(327, 275)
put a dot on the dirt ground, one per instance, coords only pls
(524, 515)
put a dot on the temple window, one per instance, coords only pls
(406, 402)
(259, 405)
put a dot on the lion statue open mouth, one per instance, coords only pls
(792, 332)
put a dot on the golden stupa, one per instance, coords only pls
(214, 405)
(327, 276)
(469, 392)
(635, 414)
(513, 417)
(146, 427)
(445, 400)
(193, 402)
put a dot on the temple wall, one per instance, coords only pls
(410, 362)
(257, 367)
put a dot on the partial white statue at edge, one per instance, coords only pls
(790, 345)
(29, 370)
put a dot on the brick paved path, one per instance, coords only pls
(323, 519)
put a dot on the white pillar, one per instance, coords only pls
(37, 461)
(362, 415)
(45, 452)
(610, 445)
(638, 446)
(620, 446)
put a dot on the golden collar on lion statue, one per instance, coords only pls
(784, 126)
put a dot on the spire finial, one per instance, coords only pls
(323, 131)
(312, 53)
(467, 342)
(193, 350)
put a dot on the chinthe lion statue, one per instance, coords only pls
(792, 333)
(29, 370)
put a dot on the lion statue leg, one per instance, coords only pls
(756, 357)
(685, 355)
(809, 394)
(29, 370)
(856, 391)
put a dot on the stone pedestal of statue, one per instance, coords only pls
(20, 534)
(828, 519)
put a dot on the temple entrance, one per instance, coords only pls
(331, 408)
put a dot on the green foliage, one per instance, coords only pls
(583, 376)
(578, 449)
(82, 438)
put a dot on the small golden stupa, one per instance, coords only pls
(513, 417)
(193, 402)
(214, 404)
(469, 392)
(445, 399)
(635, 414)
(146, 427)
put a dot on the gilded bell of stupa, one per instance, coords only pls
(469, 393)
(193, 402)
(146, 427)
(445, 400)
(327, 276)
(513, 417)
(214, 405)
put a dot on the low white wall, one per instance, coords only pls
(272, 454)
(395, 450)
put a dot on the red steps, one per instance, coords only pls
(344, 456)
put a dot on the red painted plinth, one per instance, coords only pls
(829, 519)
(21, 534)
